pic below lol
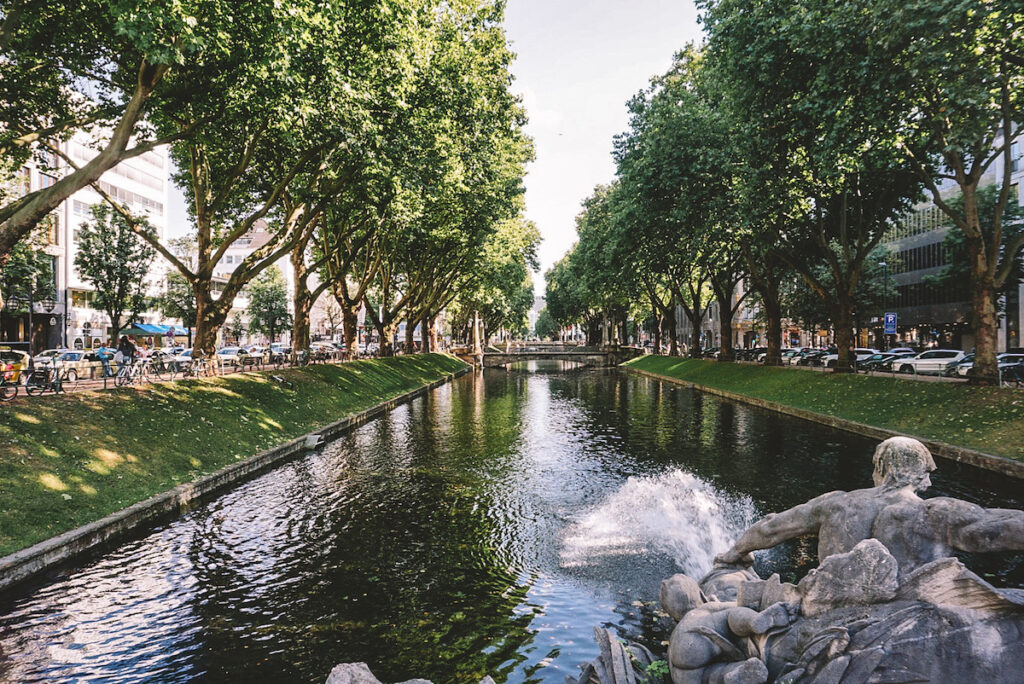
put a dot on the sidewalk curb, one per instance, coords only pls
(950, 452)
(27, 563)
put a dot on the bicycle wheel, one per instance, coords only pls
(123, 377)
(37, 383)
(8, 391)
(157, 371)
(69, 380)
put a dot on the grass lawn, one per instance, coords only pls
(67, 460)
(988, 419)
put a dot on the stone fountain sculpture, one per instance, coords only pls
(888, 602)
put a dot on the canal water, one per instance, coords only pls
(483, 529)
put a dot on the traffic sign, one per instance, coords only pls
(890, 323)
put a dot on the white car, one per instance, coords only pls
(763, 356)
(1005, 360)
(231, 356)
(860, 354)
(902, 350)
(46, 357)
(930, 362)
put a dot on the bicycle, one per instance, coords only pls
(51, 379)
(8, 385)
(157, 368)
(129, 373)
(198, 367)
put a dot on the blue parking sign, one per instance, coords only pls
(890, 323)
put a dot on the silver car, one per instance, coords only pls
(930, 362)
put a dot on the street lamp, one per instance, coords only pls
(885, 301)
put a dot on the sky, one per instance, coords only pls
(578, 63)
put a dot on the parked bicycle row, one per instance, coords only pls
(65, 370)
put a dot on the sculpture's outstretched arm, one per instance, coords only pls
(773, 529)
(975, 529)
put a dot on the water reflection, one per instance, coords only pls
(484, 528)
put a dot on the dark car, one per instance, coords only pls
(812, 358)
(881, 362)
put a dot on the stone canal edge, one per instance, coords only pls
(950, 452)
(28, 563)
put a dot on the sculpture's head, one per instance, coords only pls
(901, 462)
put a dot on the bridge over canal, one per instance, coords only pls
(586, 357)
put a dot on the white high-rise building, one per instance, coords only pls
(141, 184)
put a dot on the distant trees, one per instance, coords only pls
(116, 262)
(545, 328)
(268, 304)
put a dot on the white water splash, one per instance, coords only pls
(675, 513)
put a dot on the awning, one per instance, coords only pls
(151, 329)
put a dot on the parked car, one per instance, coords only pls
(13, 363)
(232, 356)
(791, 356)
(859, 354)
(184, 359)
(812, 358)
(78, 363)
(46, 357)
(905, 350)
(965, 367)
(763, 356)
(931, 362)
(882, 361)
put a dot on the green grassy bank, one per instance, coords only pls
(988, 419)
(69, 460)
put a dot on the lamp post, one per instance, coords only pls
(885, 301)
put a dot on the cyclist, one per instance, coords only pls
(127, 351)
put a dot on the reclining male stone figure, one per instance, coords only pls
(914, 530)
(888, 603)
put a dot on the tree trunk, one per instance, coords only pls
(983, 316)
(842, 316)
(673, 334)
(302, 299)
(410, 327)
(210, 316)
(387, 336)
(658, 321)
(350, 324)
(773, 312)
(725, 352)
(695, 338)
(430, 339)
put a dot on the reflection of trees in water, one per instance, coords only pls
(399, 564)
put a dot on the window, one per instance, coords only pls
(128, 197)
(229, 259)
(80, 299)
(81, 209)
(46, 180)
(1015, 157)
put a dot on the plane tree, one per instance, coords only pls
(104, 69)
(834, 179)
(283, 131)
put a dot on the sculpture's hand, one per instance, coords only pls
(733, 557)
